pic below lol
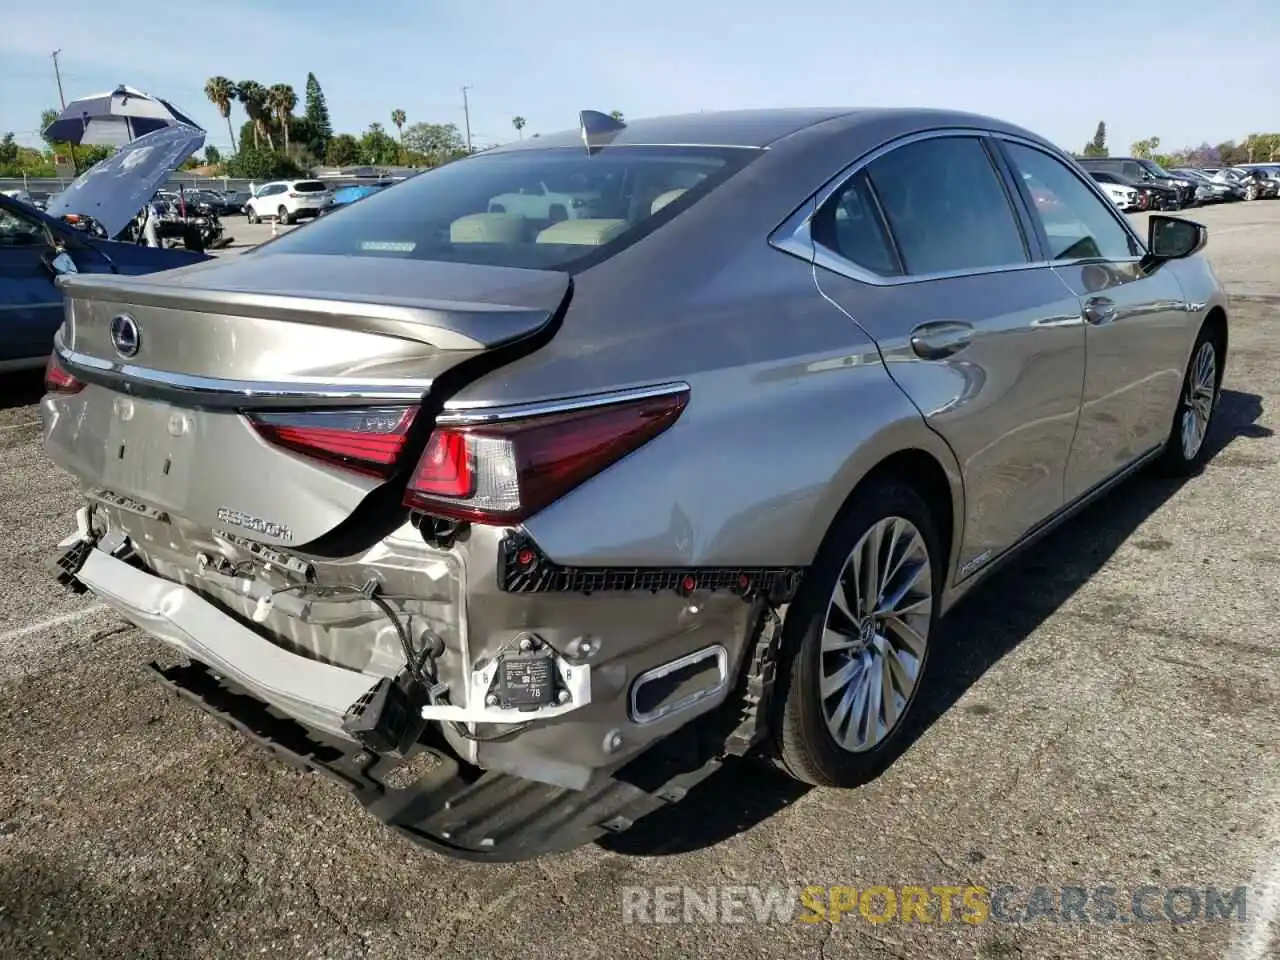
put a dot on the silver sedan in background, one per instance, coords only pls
(706, 447)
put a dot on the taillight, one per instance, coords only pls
(505, 472)
(365, 440)
(57, 379)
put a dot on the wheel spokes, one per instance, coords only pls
(875, 637)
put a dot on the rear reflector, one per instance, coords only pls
(57, 380)
(365, 440)
(505, 472)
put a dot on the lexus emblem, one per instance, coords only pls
(125, 335)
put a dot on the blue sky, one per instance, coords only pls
(1175, 69)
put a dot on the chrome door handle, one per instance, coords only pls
(1099, 310)
(936, 341)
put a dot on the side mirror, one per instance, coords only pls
(1172, 238)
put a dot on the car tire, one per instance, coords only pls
(1251, 192)
(283, 216)
(251, 214)
(1187, 447)
(824, 732)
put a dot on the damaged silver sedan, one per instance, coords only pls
(562, 474)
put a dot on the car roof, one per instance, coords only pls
(750, 128)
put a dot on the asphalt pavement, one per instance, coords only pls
(1107, 718)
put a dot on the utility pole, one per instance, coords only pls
(63, 101)
(466, 112)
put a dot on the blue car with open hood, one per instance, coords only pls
(37, 246)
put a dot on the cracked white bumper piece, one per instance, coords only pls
(316, 694)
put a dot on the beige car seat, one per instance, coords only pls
(664, 198)
(587, 233)
(487, 228)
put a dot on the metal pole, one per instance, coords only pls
(466, 111)
(63, 100)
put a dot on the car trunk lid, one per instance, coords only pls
(207, 383)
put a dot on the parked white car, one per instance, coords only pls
(539, 202)
(1126, 198)
(289, 200)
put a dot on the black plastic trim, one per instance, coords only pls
(451, 809)
(523, 568)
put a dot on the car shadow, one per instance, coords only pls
(994, 619)
(21, 389)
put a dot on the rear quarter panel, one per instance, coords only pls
(790, 406)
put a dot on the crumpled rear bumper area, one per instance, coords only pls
(461, 813)
(317, 693)
(294, 706)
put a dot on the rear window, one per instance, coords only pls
(542, 209)
(309, 186)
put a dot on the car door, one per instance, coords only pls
(925, 246)
(1135, 317)
(30, 303)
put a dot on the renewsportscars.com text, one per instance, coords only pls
(968, 904)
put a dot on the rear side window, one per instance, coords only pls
(309, 186)
(552, 208)
(849, 224)
(947, 207)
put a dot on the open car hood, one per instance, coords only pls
(114, 190)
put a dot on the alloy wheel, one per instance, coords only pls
(876, 634)
(1197, 404)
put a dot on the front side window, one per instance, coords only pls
(548, 209)
(17, 231)
(947, 207)
(1077, 224)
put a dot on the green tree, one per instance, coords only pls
(343, 150)
(1143, 149)
(47, 117)
(1262, 147)
(8, 150)
(1097, 147)
(617, 115)
(253, 96)
(435, 143)
(212, 155)
(398, 118)
(280, 102)
(259, 163)
(377, 147)
(1230, 152)
(221, 92)
(519, 124)
(317, 114)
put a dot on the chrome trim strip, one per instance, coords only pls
(721, 656)
(471, 414)
(111, 373)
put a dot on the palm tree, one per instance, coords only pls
(518, 123)
(253, 96)
(281, 100)
(398, 118)
(616, 114)
(221, 92)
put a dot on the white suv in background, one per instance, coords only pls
(288, 200)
